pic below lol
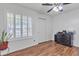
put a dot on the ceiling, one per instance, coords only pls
(43, 9)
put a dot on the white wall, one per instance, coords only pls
(41, 28)
(67, 21)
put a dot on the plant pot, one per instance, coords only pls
(4, 45)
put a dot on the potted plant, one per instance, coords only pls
(4, 40)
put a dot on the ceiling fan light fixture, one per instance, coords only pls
(55, 9)
(58, 8)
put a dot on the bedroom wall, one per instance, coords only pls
(41, 28)
(67, 21)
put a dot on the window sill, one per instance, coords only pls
(20, 38)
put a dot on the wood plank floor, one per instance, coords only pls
(49, 48)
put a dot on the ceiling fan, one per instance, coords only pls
(57, 7)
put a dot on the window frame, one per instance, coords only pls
(21, 25)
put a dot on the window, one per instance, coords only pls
(24, 26)
(19, 26)
(10, 24)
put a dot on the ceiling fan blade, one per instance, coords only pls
(49, 10)
(66, 3)
(47, 4)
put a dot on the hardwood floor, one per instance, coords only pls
(49, 48)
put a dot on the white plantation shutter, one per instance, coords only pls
(19, 26)
(10, 24)
(24, 26)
